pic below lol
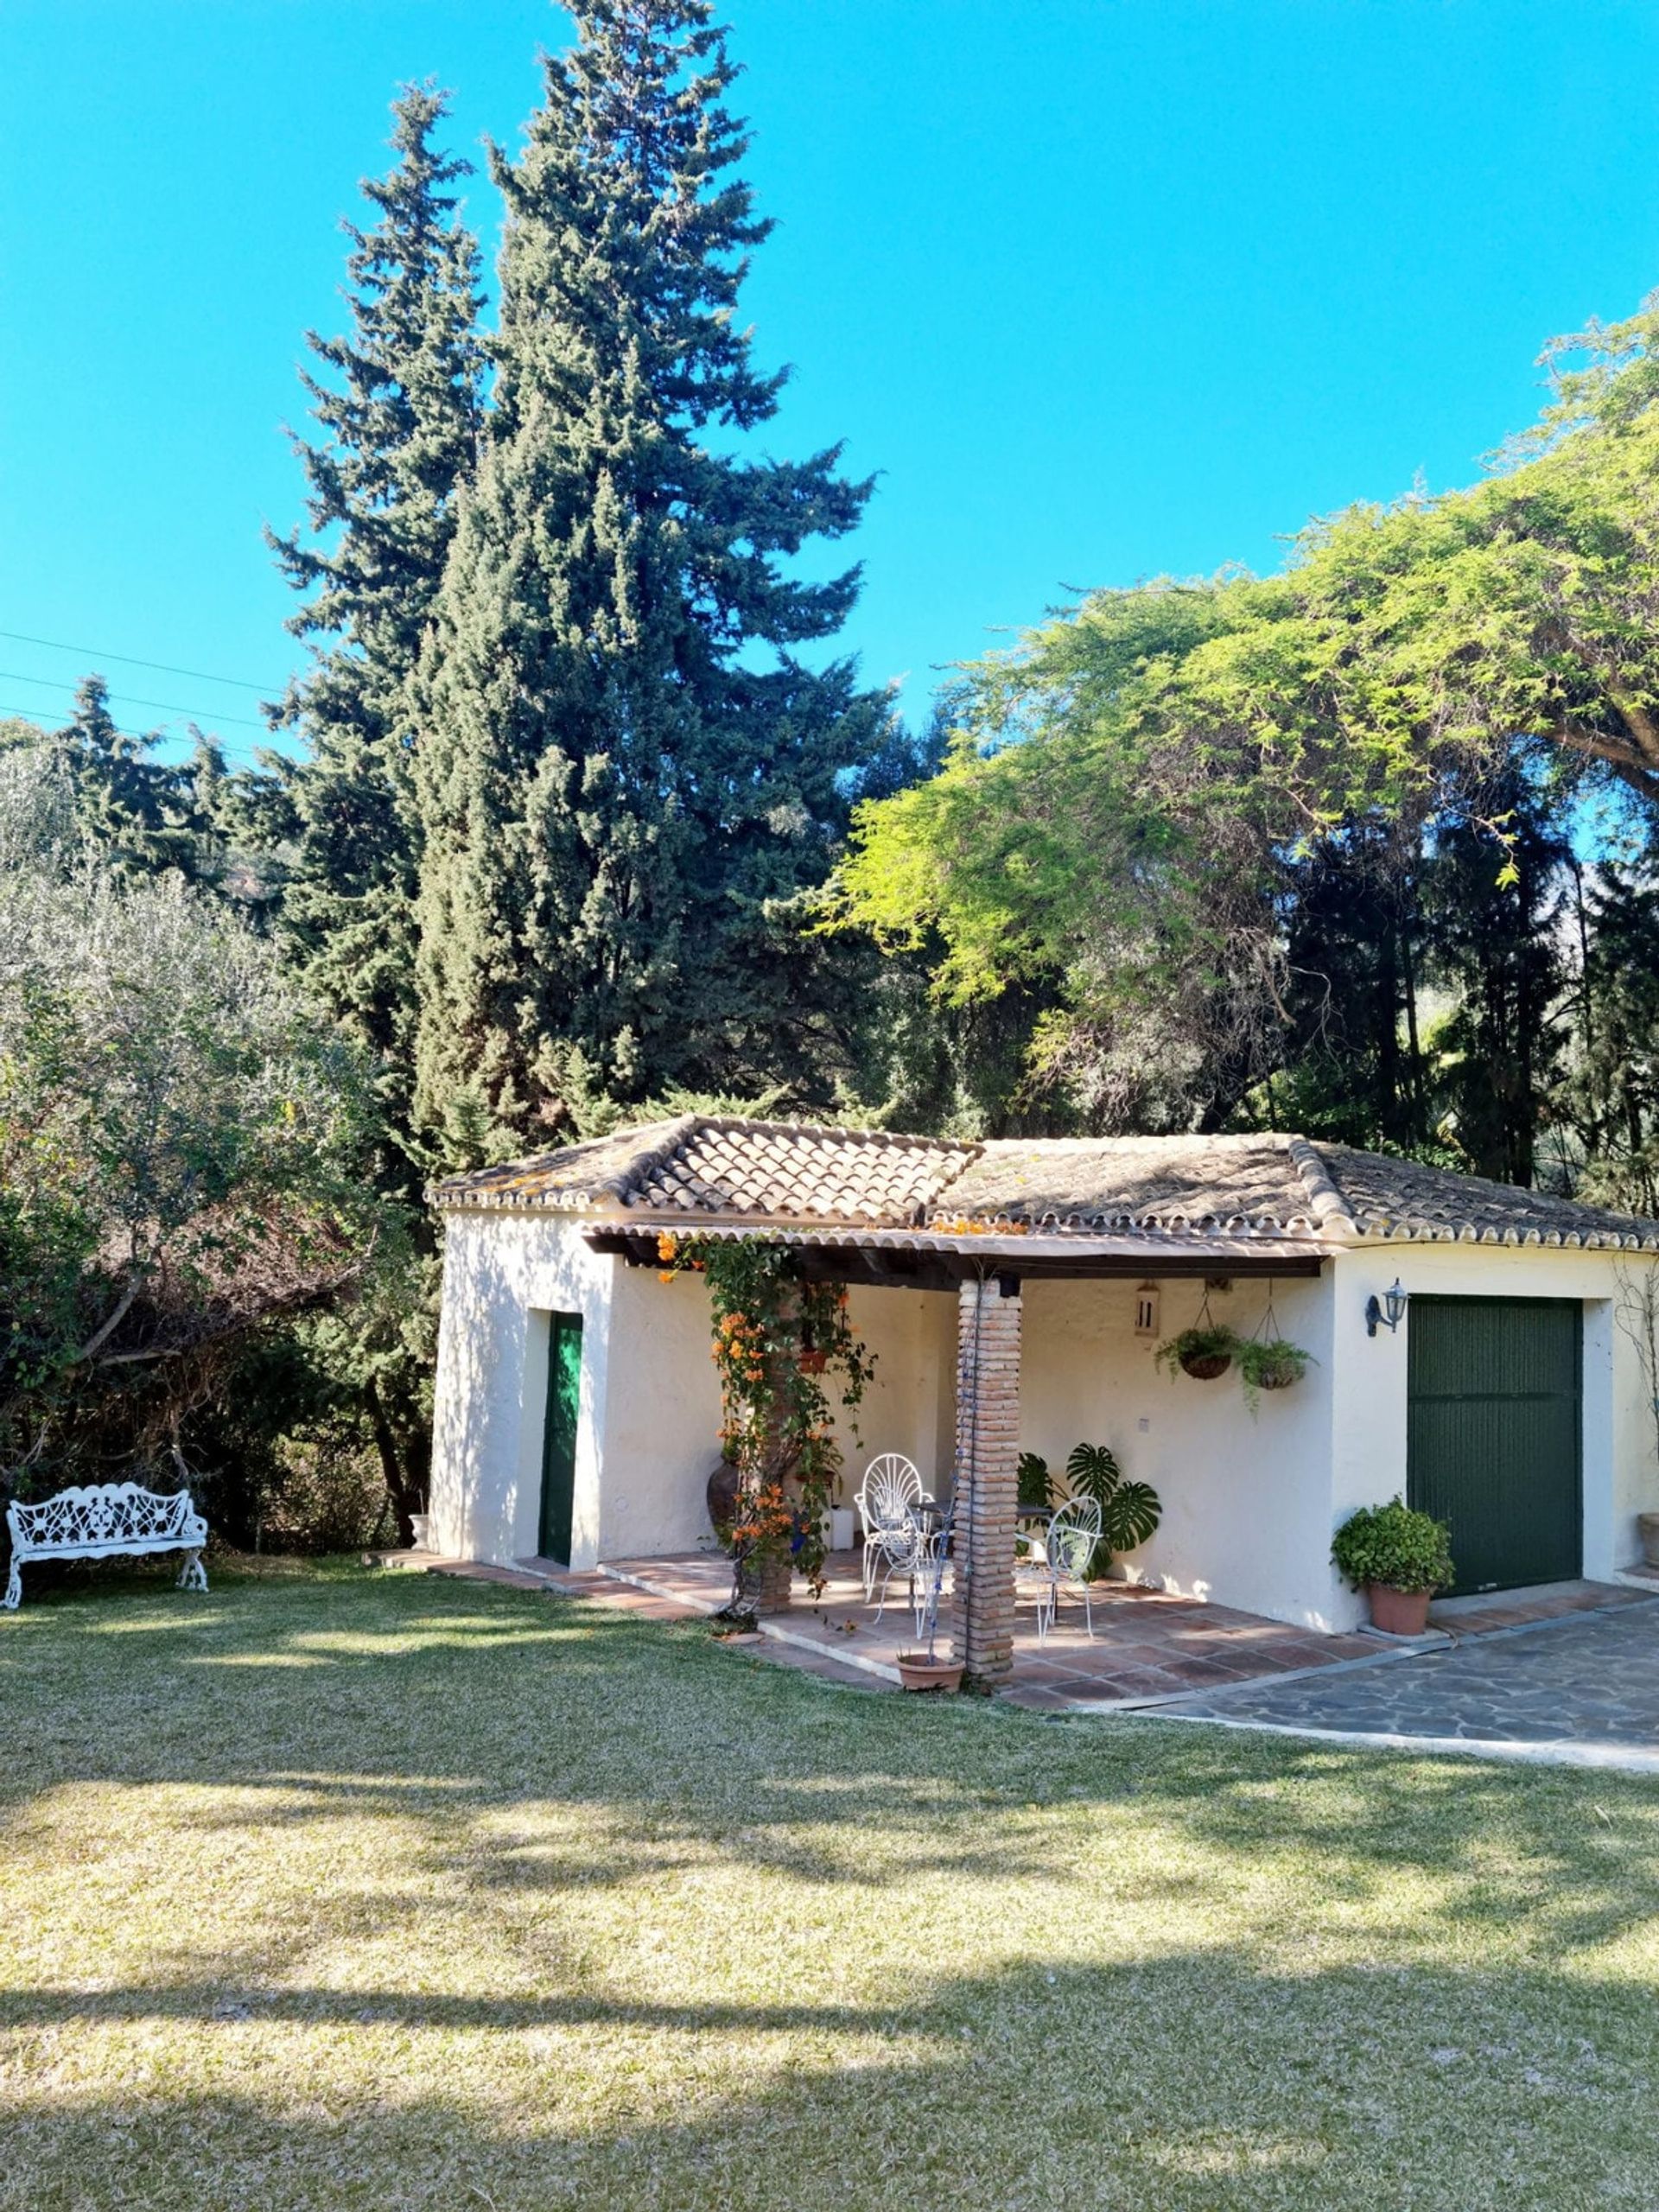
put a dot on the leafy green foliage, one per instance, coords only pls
(775, 1338)
(180, 1145)
(1207, 1343)
(1130, 792)
(1035, 1482)
(1396, 1546)
(1270, 1364)
(1130, 1511)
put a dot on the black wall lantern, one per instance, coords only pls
(1390, 1312)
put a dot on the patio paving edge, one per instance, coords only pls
(770, 1628)
(1608, 1757)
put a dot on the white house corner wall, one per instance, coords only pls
(503, 1275)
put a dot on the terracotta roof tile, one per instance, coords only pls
(1400, 1198)
(705, 1164)
(1264, 1186)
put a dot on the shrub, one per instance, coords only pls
(1393, 1545)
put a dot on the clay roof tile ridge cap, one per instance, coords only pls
(627, 1185)
(1331, 1212)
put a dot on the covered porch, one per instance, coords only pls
(1149, 1641)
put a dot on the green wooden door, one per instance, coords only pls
(1492, 1439)
(559, 1436)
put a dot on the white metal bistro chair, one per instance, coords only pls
(1061, 1553)
(892, 1485)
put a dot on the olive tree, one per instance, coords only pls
(181, 1143)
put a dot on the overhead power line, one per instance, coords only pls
(161, 706)
(52, 725)
(130, 660)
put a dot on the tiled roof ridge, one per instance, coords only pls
(893, 1139)
(1332, 1214)
(622, 1186)
(493, 1183)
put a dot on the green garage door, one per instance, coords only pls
(1492, 1441)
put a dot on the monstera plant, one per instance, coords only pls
(1129, 1512)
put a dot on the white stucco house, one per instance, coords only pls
(577, 1407)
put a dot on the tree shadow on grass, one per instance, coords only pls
(1187, 2082)
(484, 1714)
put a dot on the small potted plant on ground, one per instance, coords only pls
(1398, 1558)
(925, 1670)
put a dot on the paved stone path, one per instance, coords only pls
(1589, 1683)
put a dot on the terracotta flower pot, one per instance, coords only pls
(917, 1672)
(1398, 1613)
(814, 1362)
(1205, 1367)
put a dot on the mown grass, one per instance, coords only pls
(340, 1891)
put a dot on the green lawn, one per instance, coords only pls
(340, 1891)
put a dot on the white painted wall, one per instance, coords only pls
(1249, 1504)
(502, 1275)
(649, 1432)
(1246, 1501)
(1620, 1470)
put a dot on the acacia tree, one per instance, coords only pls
(1130, 790)
(625, 773)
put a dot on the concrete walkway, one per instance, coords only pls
(1577, 1688)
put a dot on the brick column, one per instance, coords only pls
(987, 1455)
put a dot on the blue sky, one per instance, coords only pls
(1100, 290)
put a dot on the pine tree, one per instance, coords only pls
(146, 814)
(619, 802)
(398, 404)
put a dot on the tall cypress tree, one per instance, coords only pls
(398, 402)
(621, 794)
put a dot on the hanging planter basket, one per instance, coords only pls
(1203, 1366)
(1204, 1351)
(1267, 1361)
(1278, 1372)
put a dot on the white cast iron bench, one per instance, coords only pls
(101, 1520)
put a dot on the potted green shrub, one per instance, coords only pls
(1204, 1352)
(1398, 1558)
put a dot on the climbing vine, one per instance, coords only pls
(782, 1345)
